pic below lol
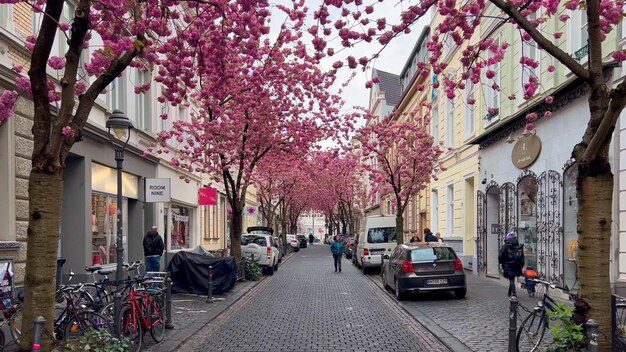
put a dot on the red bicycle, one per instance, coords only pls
(144, 311)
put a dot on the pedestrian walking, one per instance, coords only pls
(415, 238)
(511, 258)
(153, 249)
(337, 249)
(428, 236)
(311, 238)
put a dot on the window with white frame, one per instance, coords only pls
(531, 50)
(6, 17)
(579, 34)
(144, 115)
(117, 93)
(434, 122)
(450, 122)
(450, 212)
(470, 116)
(493, 95)
(434, 215)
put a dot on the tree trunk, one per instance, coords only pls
(235, 232)
(595, 197)
(399, 228)
(46, 199)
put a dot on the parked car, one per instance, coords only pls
(379, 239)
(316, 240)
(262, 248)
(303, 240)
(423, 267)
(355, 247)
(281, 248)
(349, 246)
(293, 241)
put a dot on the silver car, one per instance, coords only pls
(423, 267)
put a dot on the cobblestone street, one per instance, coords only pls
(306, 306)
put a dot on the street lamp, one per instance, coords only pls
(121, 126)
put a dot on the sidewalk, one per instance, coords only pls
(477, 323)
(191, 313)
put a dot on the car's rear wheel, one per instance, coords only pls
(276, 267)
(269, 270)
(364, 269)
(460, 293)
(400, 295)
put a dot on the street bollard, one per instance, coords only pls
(592, 335)
(168, 303)
(513, 324)
(210, 298)
(38, 331)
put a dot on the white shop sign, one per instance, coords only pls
(158, 190)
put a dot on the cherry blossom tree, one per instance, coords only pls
(406, 158)
(335, 176)
(257, 98)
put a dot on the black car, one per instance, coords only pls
(303, 240)
(423, 267)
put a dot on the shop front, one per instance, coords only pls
(90, 205)
(529, 187)
(179, 220)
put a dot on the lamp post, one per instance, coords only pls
(121, 126)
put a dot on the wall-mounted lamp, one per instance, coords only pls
(484, 182)
(510, 139)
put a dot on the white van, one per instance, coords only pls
(378, 239)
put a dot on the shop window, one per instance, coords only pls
(180, 236)
(527, 190)
(104, 228)
(570, 226)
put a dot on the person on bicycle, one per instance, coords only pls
(511, 258)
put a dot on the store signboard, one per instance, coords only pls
(158, 190)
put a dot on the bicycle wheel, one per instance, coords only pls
(83, 322)
(97, 295)
(157, 318)
(130, 327)
(530, 334)
(15, 325)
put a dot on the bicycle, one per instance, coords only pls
(12, 318)
(75, 319)
(534, 326)
(144, 311)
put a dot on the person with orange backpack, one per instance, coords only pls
(529, 274)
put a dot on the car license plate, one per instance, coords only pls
(437, 282)
(377, 251)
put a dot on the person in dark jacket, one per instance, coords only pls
(153, 249)
(429, 237)
(337, 249)
(511, 258)
(311, 238)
